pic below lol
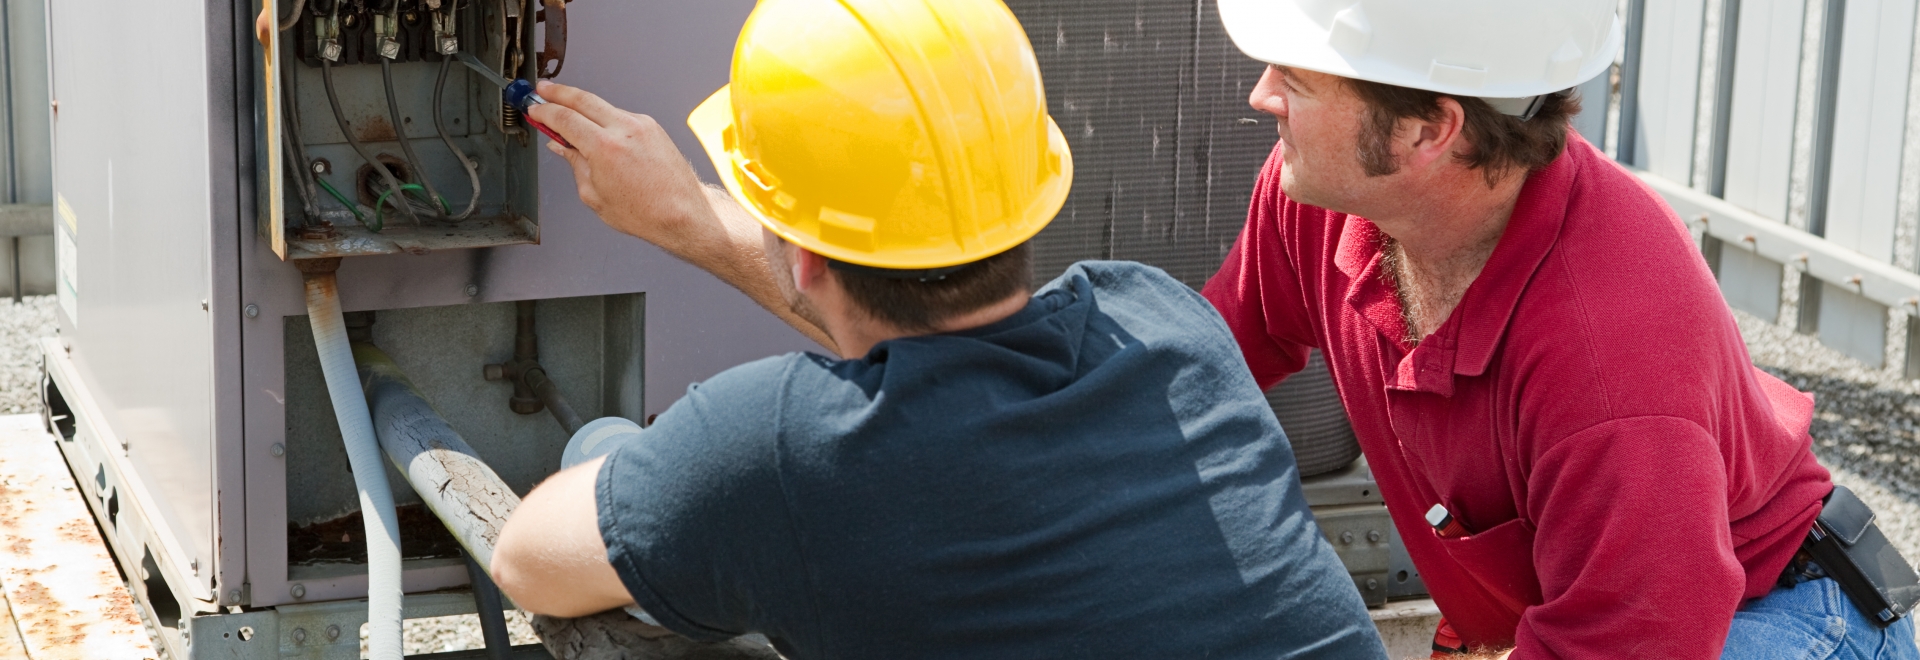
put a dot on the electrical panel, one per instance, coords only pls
(382, 133)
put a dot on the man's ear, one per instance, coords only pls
(809, 269)
(1434, 139)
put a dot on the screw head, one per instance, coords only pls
(333, 633)
(299, 635)
(1372, 584)
(322, 166)
(473, 290)
(233, 595)
(253, 311)
(299, 591)
(1346, 538)
(1373, 536)
(278, 450)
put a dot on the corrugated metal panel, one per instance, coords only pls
(1669, 87)
(1870, 116)
(1766, 77)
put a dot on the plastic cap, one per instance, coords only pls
(1437, 516)
(1500, 49)
(901, 134)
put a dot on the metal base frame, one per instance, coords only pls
(322, 631)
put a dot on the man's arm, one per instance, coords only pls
(550, 559)
(628, 171)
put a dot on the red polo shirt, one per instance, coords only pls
(1589, 412)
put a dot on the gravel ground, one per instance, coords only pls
(20, 326)
(1866, 424)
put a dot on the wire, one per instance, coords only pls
(297, 159)
(293, 16)
(355, 208)
(333, 100)
(473, 171)
(379, 205)
(400, 131)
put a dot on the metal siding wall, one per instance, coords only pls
(1875, 61)
(1765, 88)
(1854, 325)
(1669, 87)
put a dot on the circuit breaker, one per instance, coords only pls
(383, 133)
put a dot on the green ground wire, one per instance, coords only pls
(380, 205)
(343, 201)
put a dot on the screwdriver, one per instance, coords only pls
(518, 93)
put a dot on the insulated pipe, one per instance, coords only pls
(448, 474)
(363, 454)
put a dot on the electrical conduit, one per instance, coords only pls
(363, 453)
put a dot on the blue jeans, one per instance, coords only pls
(1813, 620)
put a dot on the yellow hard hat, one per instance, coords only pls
(895, 134)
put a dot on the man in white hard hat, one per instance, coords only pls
(979, 469)
(1556, 403)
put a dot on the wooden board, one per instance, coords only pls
(67, 598)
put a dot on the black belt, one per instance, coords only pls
(1847, 546)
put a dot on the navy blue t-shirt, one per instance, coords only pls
(1094, 476)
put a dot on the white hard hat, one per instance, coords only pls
(1504, 51)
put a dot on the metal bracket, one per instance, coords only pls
(555, 53)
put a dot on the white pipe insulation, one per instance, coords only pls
(369, 470)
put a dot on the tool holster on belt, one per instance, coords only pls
(1849, 547)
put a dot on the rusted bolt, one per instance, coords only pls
(333, 633)
(322, 166)
(278, 450)
(1855, 280)
(1346, 538)
(299, 635)
(299, 591)
(1373, 536)
(1750, 239)
(253, 311)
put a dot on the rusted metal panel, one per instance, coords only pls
(65, 592)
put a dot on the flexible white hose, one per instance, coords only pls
(369, 471)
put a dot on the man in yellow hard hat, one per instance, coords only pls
(979, 470)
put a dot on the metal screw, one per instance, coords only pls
(473, 290)
(1372, 584)
(298, 591)
(203, 305)
(253, 311)
(333, 633)
(299, 635)
(1373, 536)
(194, 566)
(233, 596)
(278, 450)
(321, 166)
(1346, 538)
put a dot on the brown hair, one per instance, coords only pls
(921, 306)
(1499, 142)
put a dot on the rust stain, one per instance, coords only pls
(376, 129)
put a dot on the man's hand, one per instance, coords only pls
(629, 172)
